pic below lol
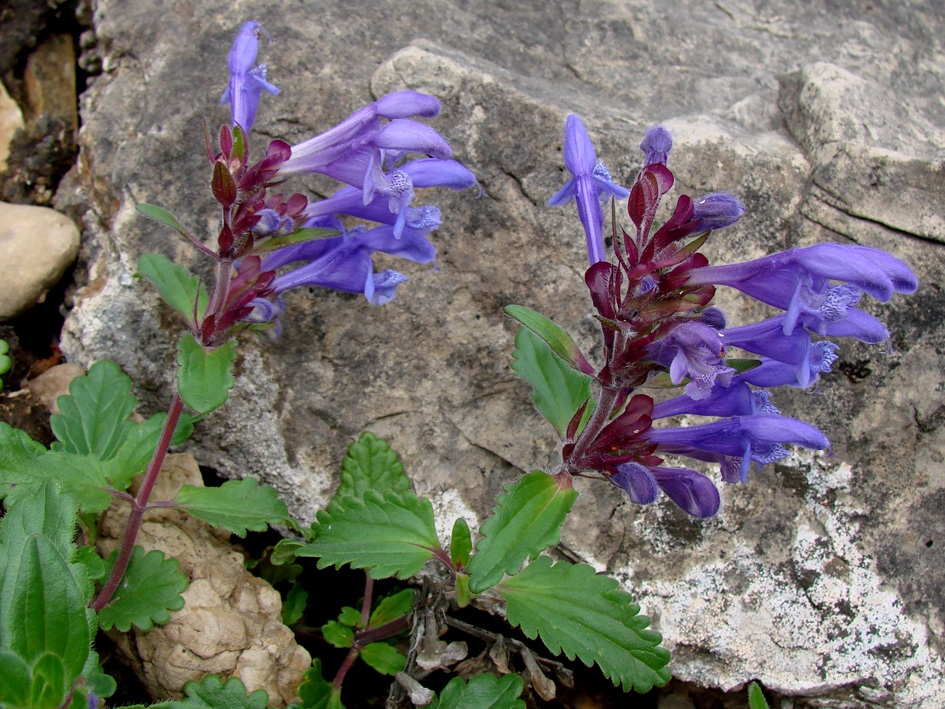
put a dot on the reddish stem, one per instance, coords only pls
(139, 505)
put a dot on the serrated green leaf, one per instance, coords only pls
(177, 286)
(350, 616)
(48, 512)
(371, 465)
(49, 682)
(388, 534)
(294, 606)
(15, 687)
(94, 412)
(482, 692)
(25, 466)
(391, 608)
(284, 552)
(556, 337)
(460, 543)
(527, 520)
(205, 377)
(138, 448)
(150, 588)
(383, 658)
(557, 390)
(756, 698)
(237, 505)
(462, 590)
(93, 563)
(211, 693)
(584, 614)
(47, 613)
(98, 683)
(315, 691)
(337, 634)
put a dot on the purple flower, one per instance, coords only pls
(591, 183)
(736, 400)
(356, 149)
(693, 350)
(798, 281)
(391, 203)
(246, 81)
(656, 146)
(738, 440)
(717, 211)
(344, 263)
(691, 491)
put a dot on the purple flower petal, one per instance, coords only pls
(692, 491)
(637, 481)
(246, 81)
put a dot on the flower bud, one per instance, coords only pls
(717, 210)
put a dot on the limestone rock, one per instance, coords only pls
(11, 118)
(37, 245)
(231, 622)
(53, 383)
(821, 577)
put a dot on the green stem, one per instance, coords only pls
(139, 505)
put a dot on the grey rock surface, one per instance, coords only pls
(37, 245)
(823, 576)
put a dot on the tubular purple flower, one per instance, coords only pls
(736, 400)
(717, 210)
(756, 438)
(656, 146)
(246, 81)
(691, 491)
(767, 338)
(591, 183)
(693, 350)
(798, 281)
(637, 481)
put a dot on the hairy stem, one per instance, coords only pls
(605, 407)
(139, 505)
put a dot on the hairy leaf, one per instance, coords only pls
(383, 658)
(175, 283)
(99, 683)
(388, 534)
(557, 390)
(315, 692)
(150, 588)
(556, 337)
(527, 520)
(211, 693)
(482, 692)
(371, 465)
(583, 614)
(94, 412)
(392, 607)
(237, 505)
(49, 682)
(15, 687)
(205, 377)
(138, 448)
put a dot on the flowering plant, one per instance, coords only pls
(658, 329)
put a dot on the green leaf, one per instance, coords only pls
(558, 390)
(294, 606)
(211, 693)
(371, 465)
(93, 563)
(150, 588)
(15, 687)
(756, 698)
(177, 286)
(383, 658)
(94, 412)
(25, 465)
(462, 590)
(391, 608)
(160, 214)
(99, 683)
(284, 552)
(527, 520)
(205, 377)
(350, 616)
(237, 505)
(482, 692)
(556, 337)
(49, 682)
(460, 543)
(5, 361)
(389, 534)
(47, 613)
(296, 237)
(48, 512)
(138, 448)
(315, 691)
(337, 634)
(575, 611)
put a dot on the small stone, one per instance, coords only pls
(53, 383)
(37, 245)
